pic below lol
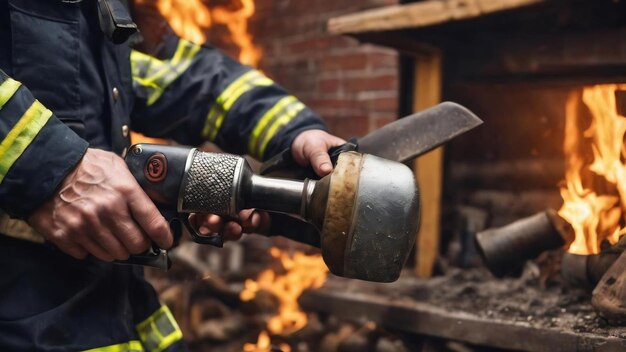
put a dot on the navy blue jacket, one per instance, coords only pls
(65, 87)
(96, 91)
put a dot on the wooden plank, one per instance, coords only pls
(426, 319)
(429, 168)
(420, 14)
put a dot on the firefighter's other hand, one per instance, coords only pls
(100, 209)
(311, 148)
(231, 229)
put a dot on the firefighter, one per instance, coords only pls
(71, 88)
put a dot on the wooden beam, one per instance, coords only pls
(428, 168)
(420, 14)
(422, 317)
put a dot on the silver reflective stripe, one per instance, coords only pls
(18, 229)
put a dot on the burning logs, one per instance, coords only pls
(505, 249)
(586, 270)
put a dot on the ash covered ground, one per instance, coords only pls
(529, 300)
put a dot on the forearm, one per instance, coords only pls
(36, 149)
(207, 96)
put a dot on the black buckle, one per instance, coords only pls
(115, 21)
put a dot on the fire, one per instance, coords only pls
(192, 20)
(301, 272)
(594, 191)
(237, 23)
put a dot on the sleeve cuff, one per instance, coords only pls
(306, 120)
(37, 173)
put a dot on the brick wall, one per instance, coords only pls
(353, 86)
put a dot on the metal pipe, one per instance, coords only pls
(507, 248)
(280, 195)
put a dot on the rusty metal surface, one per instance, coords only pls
(409, 306)
(505, 249)
(419, 133)
(385, 220)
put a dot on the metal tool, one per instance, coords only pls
(506, 249)
(401, 140)
(366, 211)
(365, 234)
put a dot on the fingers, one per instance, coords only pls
(319, 159)
(132, 239)
(111, 245)
(71, 248)
(100, 209)
(149, 218)
(206, 223)
(232, 231)
(311, 148)
(247, 221)
(95, 249)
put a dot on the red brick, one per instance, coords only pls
(334, 103)
(382, 104)
(378, 122)
(330, 85)
(368, 82)
(345, 61)
(353, 86)
(353, 126)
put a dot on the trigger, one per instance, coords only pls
(211, 239)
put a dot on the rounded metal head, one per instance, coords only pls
(383, 224)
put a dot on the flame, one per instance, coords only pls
(301, 272)
(193, 19)
(594, 191)
(190, 19)
(237, 23)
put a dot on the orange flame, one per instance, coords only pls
(192, 20)
(594, 192)
(237, 23)
(301, 272)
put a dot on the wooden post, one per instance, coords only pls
(429, 167)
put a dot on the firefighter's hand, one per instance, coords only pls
(100, 209)
(311, 148)
(247, 221)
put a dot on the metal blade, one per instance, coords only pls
(416, 134)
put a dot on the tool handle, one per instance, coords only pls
(284, 165)
(154, 257)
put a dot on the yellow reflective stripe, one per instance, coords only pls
(7, 89)
(21, 135)
(181, 62)
(290, 112)
(159, 330)
(228, 97)
(264, 121)
(280, 114)
(130, 346)
(144, 66)
(157, 75)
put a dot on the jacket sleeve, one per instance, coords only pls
(193, 93)
(36, 149)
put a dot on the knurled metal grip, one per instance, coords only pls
(210, 183)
